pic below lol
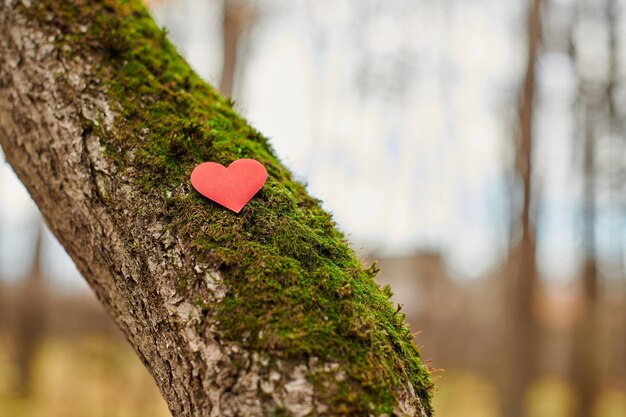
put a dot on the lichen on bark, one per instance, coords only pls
(274, 295)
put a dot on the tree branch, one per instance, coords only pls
(263, 313)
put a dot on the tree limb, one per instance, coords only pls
(263, 313)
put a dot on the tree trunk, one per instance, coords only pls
(265, 313)
(521, 327)
(585, 361)
(30, 327)
(618, 174)
(236, 20)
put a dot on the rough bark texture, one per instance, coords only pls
(266, 313)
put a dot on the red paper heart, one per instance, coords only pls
(231, 187)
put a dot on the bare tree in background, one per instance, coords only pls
(237, 19)
(521, 327)
(29, 326)
(597, 105)
(585, 365)
(618, 169)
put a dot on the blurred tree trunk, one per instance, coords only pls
(30, 325)
(263, 313)
(521, 328)
(594, 101)
(236, 21)
(618, 173)
(585, 361)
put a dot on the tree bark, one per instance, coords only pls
(265, 313)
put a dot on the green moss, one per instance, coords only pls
(296, 288)
(278, 412)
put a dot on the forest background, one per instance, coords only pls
(476, 149)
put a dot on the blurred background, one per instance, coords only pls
(475, 148)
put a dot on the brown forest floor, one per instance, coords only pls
(95, 376)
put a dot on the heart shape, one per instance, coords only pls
(230, 187)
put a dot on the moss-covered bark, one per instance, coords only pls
(295, 291)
